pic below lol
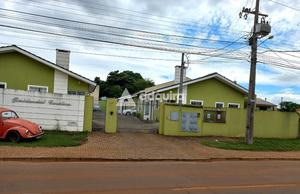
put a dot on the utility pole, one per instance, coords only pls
(264, 29)
(180, 91)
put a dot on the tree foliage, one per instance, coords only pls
(116, 83)
(288, 106)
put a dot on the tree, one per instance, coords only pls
(114, 91)
(97, 80)
(116, 83)
(142, 84)
(288, 106)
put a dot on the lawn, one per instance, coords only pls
(259, 144)
(52, 139)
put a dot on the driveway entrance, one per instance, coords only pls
(126, 123)
(129, 123)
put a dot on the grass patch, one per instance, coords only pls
(260, 144)
(52, 139)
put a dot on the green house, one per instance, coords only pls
(213, 91)
(23, 70)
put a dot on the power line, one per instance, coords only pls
(154, 59)
(118, 28)
(187, 37)
(113, 55)
(105, 15)
(105, 33)
(149, 58)
(99, 54)
(70, 42)
(222, 54)
(93, 7)
(285, 5)
(281, 57)
(219, 55)
(133, 11)
(283, 52)
(155, 47)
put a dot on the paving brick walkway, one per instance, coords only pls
(126, 123)
(138, 146)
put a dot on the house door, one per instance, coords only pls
(147, 111)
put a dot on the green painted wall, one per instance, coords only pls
(88, 113)
(234, 127)
(211, 91)
(173, 128)
(276, 124)
(77, 85)
(19, 71)
(267, 124)
(111, 116)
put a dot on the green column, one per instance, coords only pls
(88, 113)
(161, 118)
(111, 116)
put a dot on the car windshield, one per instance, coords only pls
(9, 115)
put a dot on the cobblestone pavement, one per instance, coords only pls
(139, 146)
(126, 123)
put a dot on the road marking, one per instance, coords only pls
(236, 187)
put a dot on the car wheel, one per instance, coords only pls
(14, 136)
(128, 113)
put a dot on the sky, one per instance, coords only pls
(214, 24)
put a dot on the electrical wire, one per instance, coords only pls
(98, 54)
(141, 22)
(117, 28)
(158, 59)
(281, 57)
(285, 5)
(101, 32)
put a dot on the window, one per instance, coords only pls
(3, 85)
(147, 108)
(9, 115)
(196, 102)
(33, 88)
(233, 105)
(171, 101)
(214, 116)
(76, 92)
(82, 93)
(219, 104)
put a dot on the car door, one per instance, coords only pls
(1, 125)
(4, 126)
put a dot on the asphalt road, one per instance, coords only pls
(150, 177)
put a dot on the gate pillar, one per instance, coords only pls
(111, 116)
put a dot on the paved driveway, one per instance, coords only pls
(126, 123)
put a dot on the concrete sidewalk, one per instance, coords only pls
(138, 146)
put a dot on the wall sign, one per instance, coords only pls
(50, 102)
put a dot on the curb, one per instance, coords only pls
(51, 159)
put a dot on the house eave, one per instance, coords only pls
(217, 76)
